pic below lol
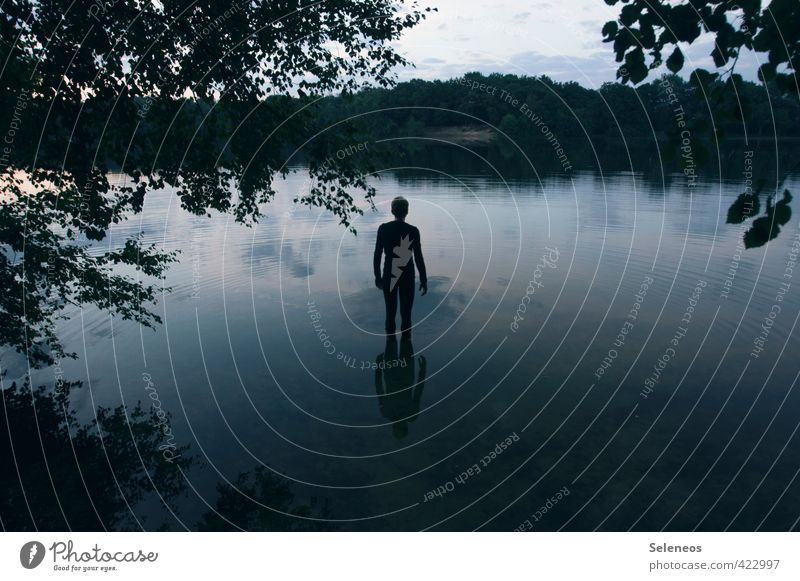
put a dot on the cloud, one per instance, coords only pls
(559, 39)
(590, 71)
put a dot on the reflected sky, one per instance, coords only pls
(511, 345)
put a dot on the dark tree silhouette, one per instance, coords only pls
(260, 500)
(646, 29)
(57, 473)
(655, 27)
(90, 87)
(766, 227)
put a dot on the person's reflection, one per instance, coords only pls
(398, 394)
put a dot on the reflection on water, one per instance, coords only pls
(767, 227)
(291, 421)
(398, 387)
(58, 473)
(261, 501)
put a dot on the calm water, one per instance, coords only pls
(610, 415)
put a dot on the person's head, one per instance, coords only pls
(400, 207)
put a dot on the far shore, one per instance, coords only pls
(462, 134)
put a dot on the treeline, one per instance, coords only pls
(573, 110)
(612, 121)
(616, 126)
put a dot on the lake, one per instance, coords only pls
(596, 351)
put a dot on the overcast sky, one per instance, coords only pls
(559, 38)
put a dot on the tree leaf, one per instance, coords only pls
(610, 30)
(675, 60)
(766, 72)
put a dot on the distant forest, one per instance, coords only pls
(517, 122)
(648, 122)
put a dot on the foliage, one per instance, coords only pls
(247, 49)
(260, 500)
(613, 118)
(57, 473)
(659, 26)
(137, 87)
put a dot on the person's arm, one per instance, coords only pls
(376, 258)
(423, 275)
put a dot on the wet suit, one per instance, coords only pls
(400, 242)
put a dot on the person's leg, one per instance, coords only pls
(406, 302)
(390, 297)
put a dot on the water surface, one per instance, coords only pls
(626, 393)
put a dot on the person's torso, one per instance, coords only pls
(399, 241)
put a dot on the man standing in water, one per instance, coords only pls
(400, 242)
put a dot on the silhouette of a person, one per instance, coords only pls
(398, 395)
(400, 242)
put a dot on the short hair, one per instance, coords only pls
(400, 207)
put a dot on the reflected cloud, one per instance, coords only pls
(270, 255)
